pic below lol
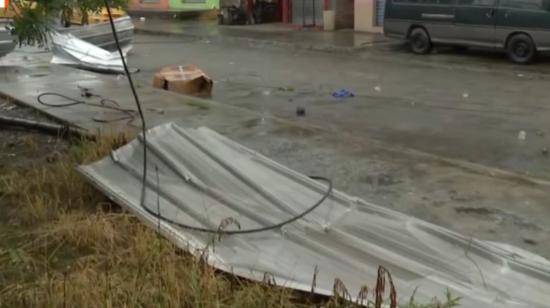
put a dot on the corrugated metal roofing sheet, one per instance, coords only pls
(200, 178)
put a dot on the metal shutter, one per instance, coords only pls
(380, 9)
(307, 12)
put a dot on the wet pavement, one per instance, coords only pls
(434, 140)
(465, 107)
(275, 34)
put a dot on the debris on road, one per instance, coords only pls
(465, 95)
(7, 43)
(286, 89)
(544, 151)
(100, 35)
(522, 135)
(301, 111)
(72, 51)
(199, 179)
(343, 93)
(188, 79)
(378, 89)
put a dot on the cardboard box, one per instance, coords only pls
(187, 79)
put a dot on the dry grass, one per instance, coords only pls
(63, 244)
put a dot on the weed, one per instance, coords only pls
(60, 247)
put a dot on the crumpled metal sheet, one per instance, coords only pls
(7, 42)
(70, 50)
(101, 35)
(201, 178)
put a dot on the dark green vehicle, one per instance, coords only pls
(520, 27)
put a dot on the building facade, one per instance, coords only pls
(361, 15)
(147, 5)
(172, 5)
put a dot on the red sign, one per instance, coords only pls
(4, 4)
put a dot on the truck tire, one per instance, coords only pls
(521, 49)
(419, 41)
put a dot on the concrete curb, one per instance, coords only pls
(258, 42)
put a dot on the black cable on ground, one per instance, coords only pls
(104, 103)
(158, 215)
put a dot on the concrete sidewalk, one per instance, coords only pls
(274, 34)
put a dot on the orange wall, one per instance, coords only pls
(147, 5)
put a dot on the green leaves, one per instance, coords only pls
(34, 19)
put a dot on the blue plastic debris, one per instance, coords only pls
(343, 94)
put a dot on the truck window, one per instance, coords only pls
(478, 2)
(525, 4)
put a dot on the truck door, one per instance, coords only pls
(475, 22)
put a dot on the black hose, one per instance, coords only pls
(248, 231)
(104, 103)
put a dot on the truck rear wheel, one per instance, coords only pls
(419, 41)
(521, 49)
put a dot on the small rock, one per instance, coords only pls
(52, 158)
(378, 89)
(465, 95)
(522, 135)
(544, 151)
(301, 111)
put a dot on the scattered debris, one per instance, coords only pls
(465, 95)
(343, 93)
(70, 50)
(286, 89)
(522, 135)
(7, 43)
(7, 106)
(301, 111)
(378, 89)
(206, 178)
(99, 34)
(187, 79)
(157, 110)
(383, 179)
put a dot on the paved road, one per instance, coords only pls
(470, 107)
(365, 144)
(466, 108)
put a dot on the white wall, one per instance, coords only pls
(365, 15)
